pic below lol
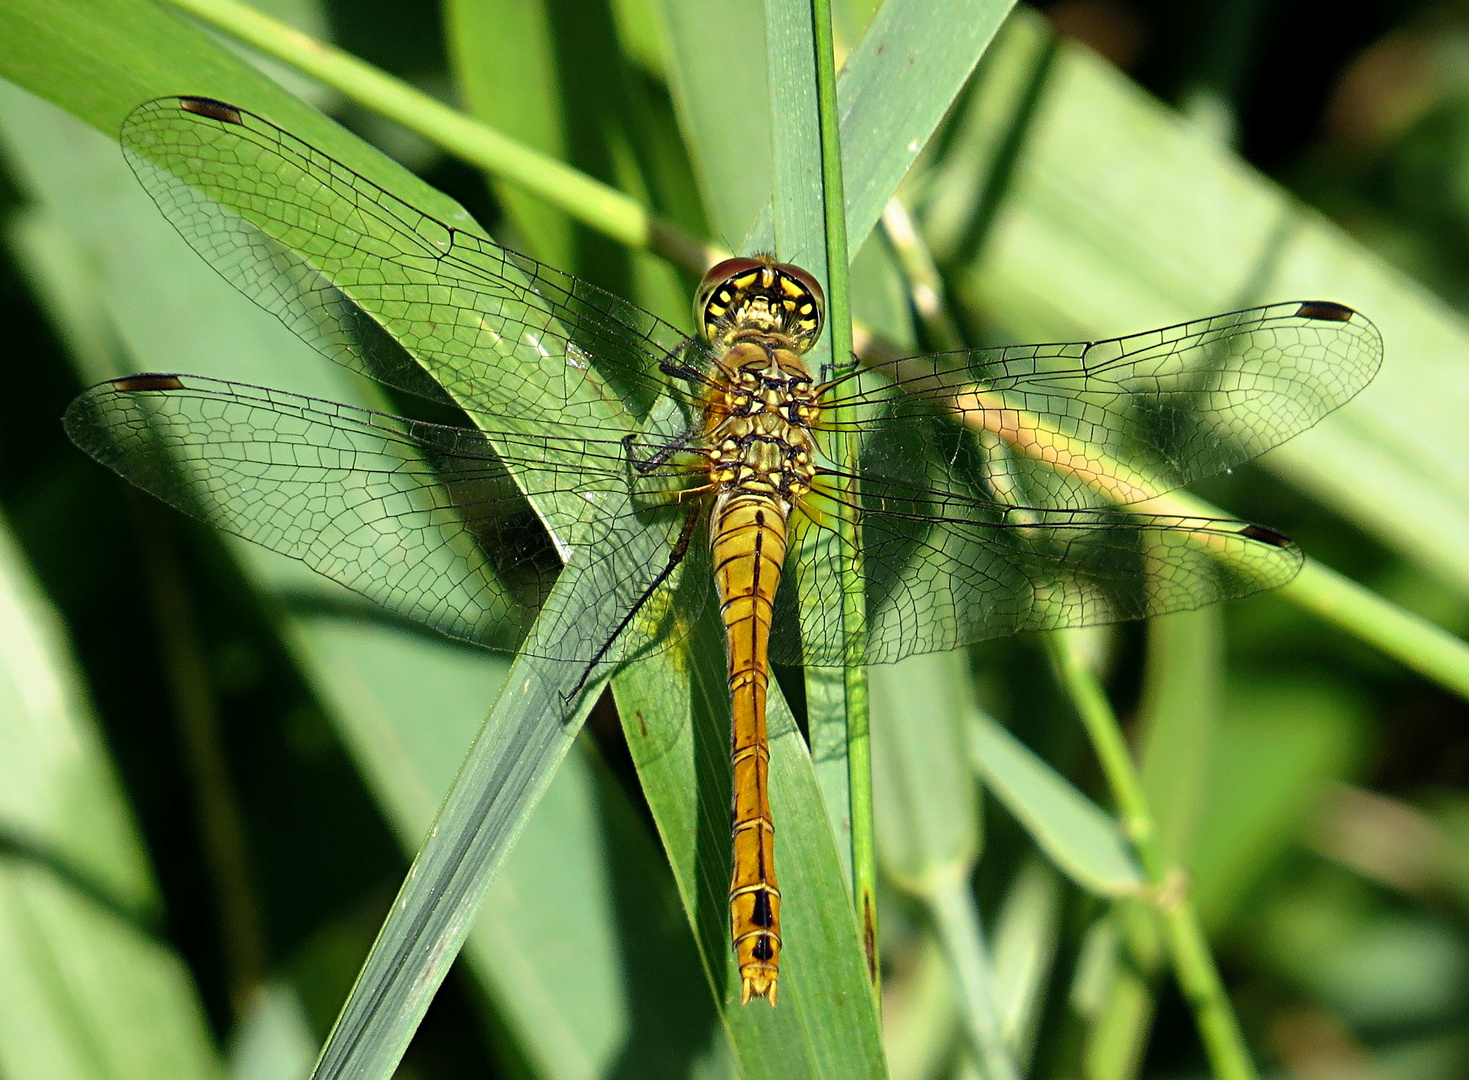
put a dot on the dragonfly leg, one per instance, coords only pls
(660, 456)
(676, 555)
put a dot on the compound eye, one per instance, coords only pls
(716, 277)
(810, 304)
(807, 279)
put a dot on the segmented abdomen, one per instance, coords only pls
(749, 545)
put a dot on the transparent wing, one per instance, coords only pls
(428, 521)
(946, 562)
(942, 569)
(388, 290)
(1095, 423)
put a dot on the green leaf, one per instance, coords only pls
(928, 819)
(1117, 215)
(1180, 708)
(171, 307)
(928, 825)
(87, 989)
(717, 73)
(1083, 841)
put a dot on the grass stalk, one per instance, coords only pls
(1193, 963)
(1412, 640)
(955, 916)
(590, 201)
(1427, 649)
(854, 613)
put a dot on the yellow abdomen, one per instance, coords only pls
(749, 545)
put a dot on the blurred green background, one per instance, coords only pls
(207, 800)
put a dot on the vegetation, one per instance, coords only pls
(1232, 842)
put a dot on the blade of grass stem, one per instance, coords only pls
(1080, 839)
(596, 204)
(1410, 639)
(1193, 964)
(956, 919)
(845, 451)
(930, 825)
(88, 985)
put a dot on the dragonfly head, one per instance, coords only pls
(757, 294)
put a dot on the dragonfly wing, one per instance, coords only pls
(385, 289)
(430, 522)
(1117, 421)
(941, 570)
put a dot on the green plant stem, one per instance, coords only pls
(595, 204)
(1193, 964)
(925, 284)
(1427, 649)
(956, 923)
(854, 608)
(1411, 639)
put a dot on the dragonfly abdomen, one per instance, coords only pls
(749, 545)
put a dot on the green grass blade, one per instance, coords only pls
(845, 450)
(545, 75)
(824, 1025)
(273, 1038)
(900, 81)
(1178, 719)
(248, 345)
(1077, 835)
(725, 119)
(929, 828)
(505, 66)
(1027, 937)
(508, 769)
(86, 987)
(894, 89)
(1193, 964)
(1120, 215)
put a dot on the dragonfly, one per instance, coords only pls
(991, 491)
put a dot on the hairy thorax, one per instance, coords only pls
(759, 423)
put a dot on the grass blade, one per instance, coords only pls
(86, 987)
(1077, 835)
(1117, 214)
(244, 344)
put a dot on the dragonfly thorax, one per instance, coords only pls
(759, 416)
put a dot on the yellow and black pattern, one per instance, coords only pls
(759, 414)
(745, 299)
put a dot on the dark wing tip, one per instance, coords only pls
(212, 108)
(137, 384)
(1327, 310)
(1266, 535)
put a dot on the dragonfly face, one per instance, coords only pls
(757, 295)
(987, 485)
